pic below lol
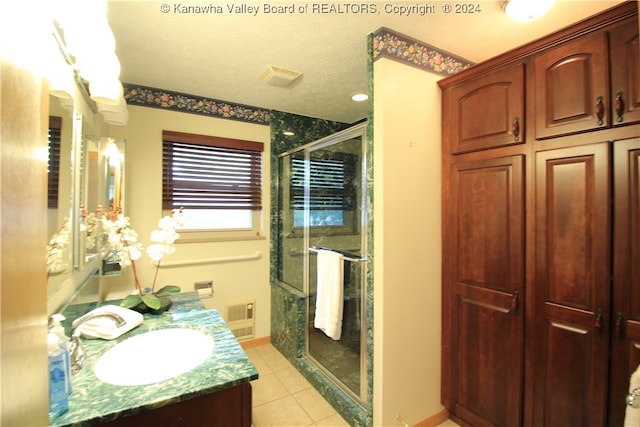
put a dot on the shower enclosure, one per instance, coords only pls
(322, 200)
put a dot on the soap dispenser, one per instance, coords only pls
(65, 344)
(58, 396)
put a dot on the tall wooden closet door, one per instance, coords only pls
(484, 241)
(625, 342)
(572, 289)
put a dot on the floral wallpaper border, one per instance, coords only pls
(164, 99)
(388, 44)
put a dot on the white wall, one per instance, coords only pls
(232, 282)
(407, 244)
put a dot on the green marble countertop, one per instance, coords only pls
(93, 401)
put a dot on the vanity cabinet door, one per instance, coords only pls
(625, 73)
(224, 408)
(484, 280)
(486, 111)
(572, 87)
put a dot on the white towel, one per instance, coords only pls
(330, 293)
(632, 415)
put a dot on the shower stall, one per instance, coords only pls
(322, 206)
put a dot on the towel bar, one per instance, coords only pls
(346, 255)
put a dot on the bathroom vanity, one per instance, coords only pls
(215, 393)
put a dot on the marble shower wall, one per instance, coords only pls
(288, 304)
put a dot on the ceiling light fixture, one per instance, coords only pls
(359, 97)
(86, 38)
(526, 10)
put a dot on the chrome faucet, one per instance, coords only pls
(76, 352)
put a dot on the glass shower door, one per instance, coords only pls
(334, 218)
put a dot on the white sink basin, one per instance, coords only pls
(153, 357)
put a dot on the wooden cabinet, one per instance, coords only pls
(587, 225)
(571, 290)
(541, 257)
(571, 87)
(573, 90)
(224, 408)
(625, 312)
(489, 111)
(625, 73)
(486, 253)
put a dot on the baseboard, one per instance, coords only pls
(255, 342)
(435, 419)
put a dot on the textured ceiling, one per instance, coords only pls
(179, 46)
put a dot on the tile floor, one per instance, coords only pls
(282, 397)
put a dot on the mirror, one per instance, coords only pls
(73, 179)
(85, 179)
(59, 194)
(91, 203)
(104, 160)
(114, 164)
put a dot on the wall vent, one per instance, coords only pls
(240, 318)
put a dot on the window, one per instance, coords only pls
(332, 196)
(53, 161)
(217, 181)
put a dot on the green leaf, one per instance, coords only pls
(131, 301)
(168, 290)
(151, 301)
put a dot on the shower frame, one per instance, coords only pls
(359, 130)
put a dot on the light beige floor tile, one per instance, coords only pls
(275, 360)
(293, 380)
(284, 412)
(264, 349)
(314, 404)
(282, 397)
(251, 352)
(334, 420)
(267, 388)
(261, 366)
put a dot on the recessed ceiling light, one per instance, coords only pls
(359, 97)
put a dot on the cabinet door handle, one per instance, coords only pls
(515, 304)
(515, 127)
(598, 324)
(600, 110)
(619, 106)
(619, 325)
